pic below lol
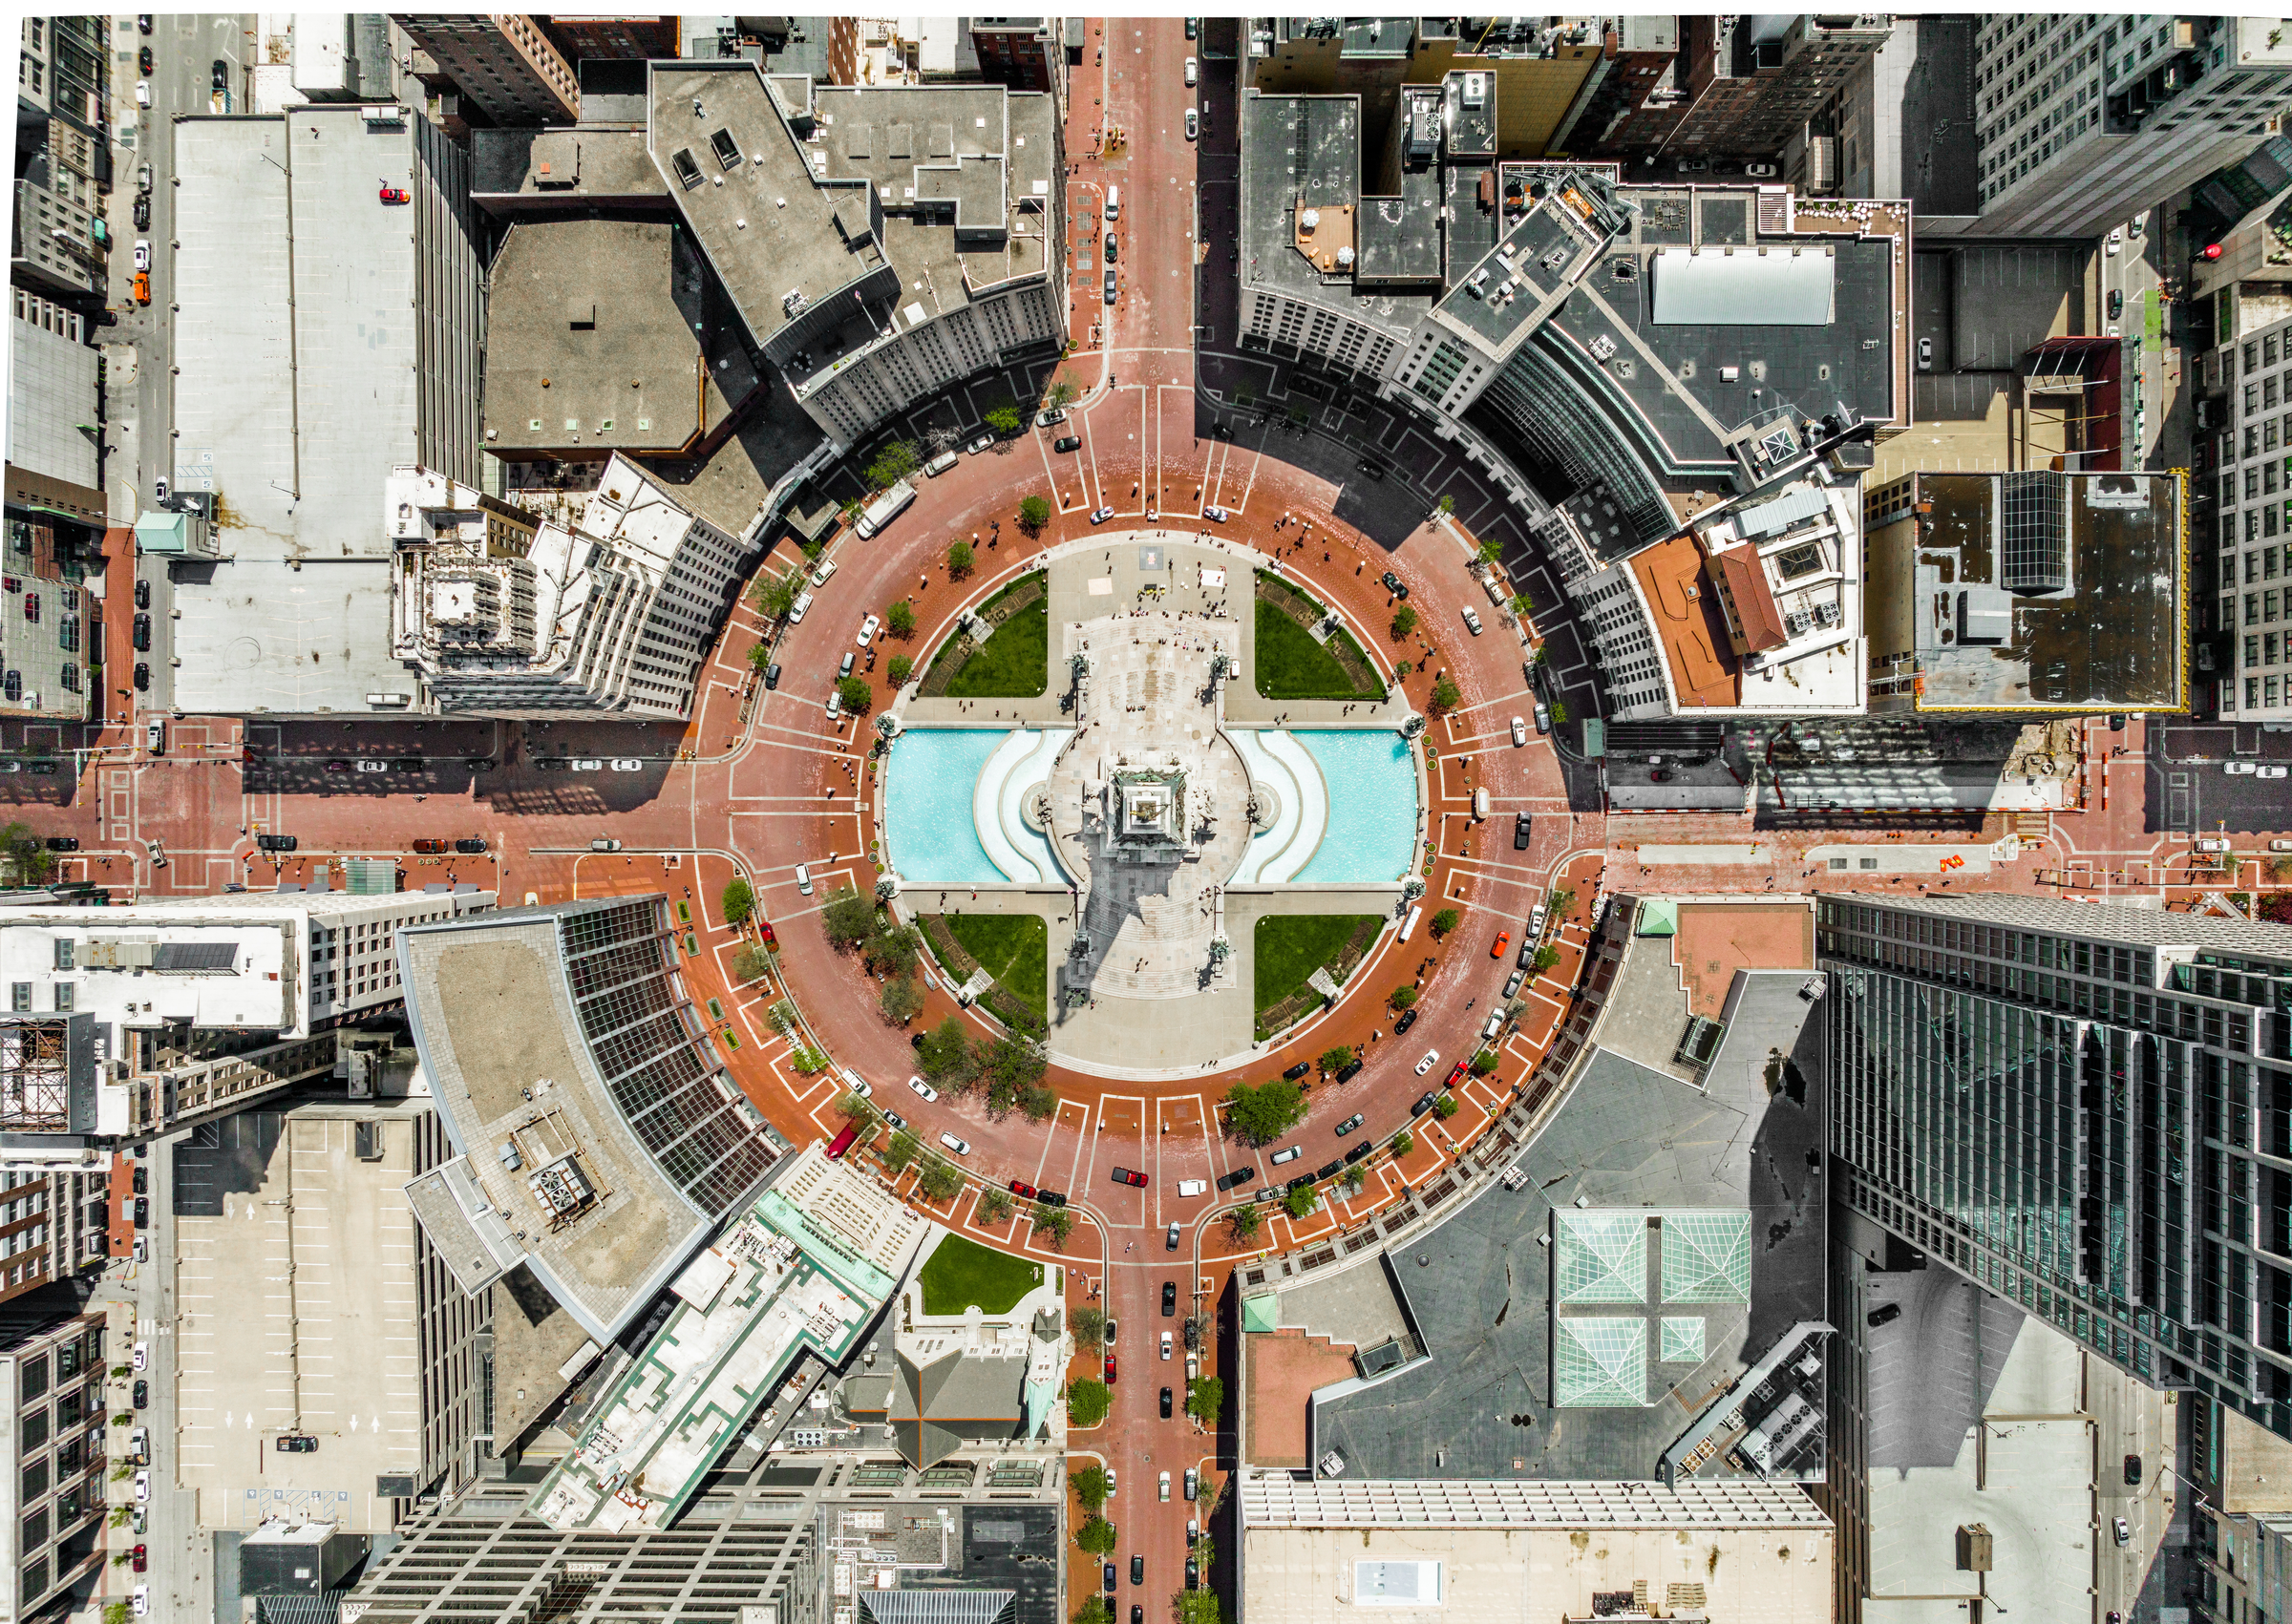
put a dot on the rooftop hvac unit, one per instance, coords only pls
(1476, 90)
(1310, 220)
(382, 114)
(1345, 258)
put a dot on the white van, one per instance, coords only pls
(939, 465)
(885, 509)
(1113, 202)
(1409, 923)
(803, 880)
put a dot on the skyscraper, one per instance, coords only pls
(2085, 1109)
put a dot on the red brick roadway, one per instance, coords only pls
(761, 782)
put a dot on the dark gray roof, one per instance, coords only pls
(514, 170)
(1305, 150)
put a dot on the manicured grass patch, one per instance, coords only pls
(1014, 948)
(1291, 947)
(961, 1273)
(1292, 665)
(1014, 662)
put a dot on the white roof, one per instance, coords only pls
(1275, 1499)
(1771, 286)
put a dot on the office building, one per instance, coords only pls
(52, 1490)
(124, 1022)
(55, 1220)
(506, 65)
(613, 613)
(584, 38)
(1754, 81)
(312, 365)
(1315, 1553)
(2031, 591)
(331, 56)
(1634, 97)
(315, 1309)
(60, 243)
(1026, 54)
(879, 243)
(2085, 119)
(597, 1142)
(2248, 624)
(2080, 1108)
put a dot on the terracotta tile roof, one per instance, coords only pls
(1746, 582)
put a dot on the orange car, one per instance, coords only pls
(142, 287)
(1503, 942)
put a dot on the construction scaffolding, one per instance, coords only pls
(35, 1076)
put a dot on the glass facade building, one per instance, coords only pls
(2088, 1109)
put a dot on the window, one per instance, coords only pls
(63, 953)
(19, 997)
(63, 997)
(34, 1376)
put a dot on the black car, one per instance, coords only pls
(142, 1395)
(143, 22)
(1236, 1178)
(1165, 1404)
(142, 594)
(1110, 249)
(1519, 832)
(1304, 1181)
(142, 633)
(478, 763)
(407, 764)
(143, 223)
(142, 676)
(143, 61)
(142, 1212)
(275, 842)
(1374, 470)
(2133, 1471)
(1298, 1071)
(298, 1444)
(1111, 1579)
(1052, 1197)
(1394, 584)
(142, 1178)
(47, 769)
(1423, 1105)
(1193, 1573)
(1328, 1170)
(62, 843)
(1137, 1614)
(1348, 1071)
(1138, 1570)
(1219, 432)
(771, 675)
(1169, 1299)
(1407, 1019)
(221, 74)
(472, 847)
(1366, 1147)
(1885, 1314)
(1067, 443)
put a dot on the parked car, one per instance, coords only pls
(1125, 1176)
(275, 842)
(1394, 584)
(1512, 983)
(2133, 1471)
(142, 212)
(1109, 1376)
(1885, 1314)
(628, 763)
(924, 1088)
(1110, 1580)
(1472, 620)
(1193, 1481)
(982, 443)
(1109, 284)
(1099, 515)
(1138, 1570)
(142, 676)
(1520, 733)
(961, 1147)
(1288, 1154)
(470, 847)
(1055, 415)
(868, 629)
(1348, 1125)
(427, 848)
(1519, 832)
(61, 843)
(220, 73)
(605, 843)
(2120, 1528)
(1431, 1058)
(1169, 1299)
(844, 666)
(373, 766)
(1407, 1019)
(1192, 123)
(772, 676)
(142, 1395)
(1169, 1244)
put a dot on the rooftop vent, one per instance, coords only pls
(1476, 90)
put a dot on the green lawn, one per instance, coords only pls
(961, 1273)
(1291, 947)
(1292, 665)
(1014, 948)
(1013, 663)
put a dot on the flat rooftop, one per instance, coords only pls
(521, 170)
(2109, 639)
(608, 333)
(1636, 1133)
(1688, 624)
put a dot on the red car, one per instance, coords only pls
(1136, 1180)
(1456, 1076)
(1503, 942)
(1021, 1189)
(771, 936)
(142, 1561)
(1110, 1370)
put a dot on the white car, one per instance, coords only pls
(1165, 1345)
(142, 253)
(1215, 514)
(924, 1088)
(2241, 769)
(1431, 1058)
(961, 1147)
(1165, 1486)
(1192, 1185)
(2269, 772)
(834, 704)
(2117, 238)
(628, 763)
(586, 764)
(1193, 70)
(143, 1484)
(860, 1085)
(868, 629)
(1192, 123)
(1519, 732)
(143, 99)
(798, 608)
(139, 1602)
(982, 443)
(827, 568)
(142, 1356)
(374, 766)
(1099, 515)
(1472, 620)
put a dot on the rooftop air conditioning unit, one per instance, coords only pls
(1476, 90)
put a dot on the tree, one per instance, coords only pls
(854, 1107)
(1089, 1483)
(901, 619)
(1087, 1403)
(749, 963)
(1404, 622)
(1013, 1064)
(945, 1055)
(1402, 997)
(121, 1515)
(1403, 669)
(1560, 712)
(1403, 1143)
(1088, 1322)
(1490, 551)
(1562, 900)
(1446, 695)
(759, 656)
(858, 699)
(849, 917)
(994, 1206)
(1096, 1536)
(1003, 417)
(902, 1001)
(1336, 1060)
(1546, 957)
(1445, 505)
(1484, 1062)
(901, 1151)
(1524, 606)
(939, 1181)
(1056, 1222)
(1205, 1398)
(1095, 1611)
(1300, 1201)
(893, 463)
(775, 596)
(738, 903)
(1445, 921)
(1033, 514)
(117, 1612)
(1197, 1607)
(1265, 1112)
(892, 950)
(1060, 395)
(1446, 1106)
(1243, 1220)
(902, 668)
(959, 560)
